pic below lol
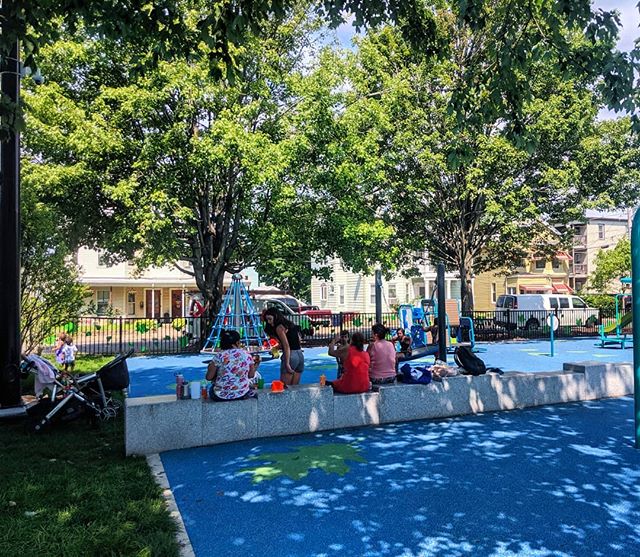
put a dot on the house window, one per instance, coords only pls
(341, 295)
(455, 289)
(372, 293)
(556, 264)
(131, 303)
(323, 292)
(541, 263)
(102, 301)
(494, 292)
(601, 232)
(103, 261)
(511, 289)
(407, 296)
(332, 291)
(393, 296)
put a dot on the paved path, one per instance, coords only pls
(559, 480)
(155, 375)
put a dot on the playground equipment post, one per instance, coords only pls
(635, 292)
(442, 314)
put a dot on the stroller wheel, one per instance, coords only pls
(38, 425)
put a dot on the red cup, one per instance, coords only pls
(277, 386)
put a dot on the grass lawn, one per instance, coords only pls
(72, 492)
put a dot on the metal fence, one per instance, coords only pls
(112, 335)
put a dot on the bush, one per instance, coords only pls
(600, 301)
(144, 325)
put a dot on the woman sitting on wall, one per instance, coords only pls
(231, 369)
(383, 357)
(355, 378)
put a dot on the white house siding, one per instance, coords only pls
(358, 289)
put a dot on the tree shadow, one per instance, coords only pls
(557, 480)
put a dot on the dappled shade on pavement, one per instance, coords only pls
(558, 480)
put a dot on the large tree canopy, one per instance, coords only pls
(171, 166)
(473, 196)
(514, 35)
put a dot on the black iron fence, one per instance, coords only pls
(112, 335)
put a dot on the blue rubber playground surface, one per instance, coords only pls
(155, 375)
(552, 481)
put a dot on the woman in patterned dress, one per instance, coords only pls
(231, 369)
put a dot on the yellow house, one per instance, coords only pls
(486, 289)
(536, 275)
(541, 275)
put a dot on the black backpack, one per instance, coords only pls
(468, 361)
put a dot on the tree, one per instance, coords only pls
(50, 291)
(517, 35)
(474, 196)
(173, 166)
(611, 265)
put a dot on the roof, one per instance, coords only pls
(622, 215)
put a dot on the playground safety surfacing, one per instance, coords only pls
(155, 375)
(558, 480)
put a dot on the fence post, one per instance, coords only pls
(508, 322)
(120, 335)
(340, 321)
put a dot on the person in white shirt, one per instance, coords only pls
(69, 354)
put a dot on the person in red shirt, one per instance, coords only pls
(355, 378)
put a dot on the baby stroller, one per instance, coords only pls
(73, 396)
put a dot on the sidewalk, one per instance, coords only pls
(560, 480)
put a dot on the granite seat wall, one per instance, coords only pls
(160, 423)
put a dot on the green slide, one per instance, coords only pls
(626, 319)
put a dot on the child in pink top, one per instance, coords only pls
(383, 357)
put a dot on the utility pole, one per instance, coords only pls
(10, 344)
(378, 289)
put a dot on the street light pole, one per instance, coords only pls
(10, 345)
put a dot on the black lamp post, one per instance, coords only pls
(10, 344)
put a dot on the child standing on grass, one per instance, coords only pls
(69, 354)
(58, 346)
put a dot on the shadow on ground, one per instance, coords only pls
(559, 480)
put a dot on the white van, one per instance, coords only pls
(530, 311)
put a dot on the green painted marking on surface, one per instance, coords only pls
(295, 465)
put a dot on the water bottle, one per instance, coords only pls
(179, 386)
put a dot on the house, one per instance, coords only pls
(541, 275)
(118, 289)
(599, 230)
(486, 289)
(347, 291)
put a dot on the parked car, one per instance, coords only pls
(530, 311)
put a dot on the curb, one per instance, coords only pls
(160, 476)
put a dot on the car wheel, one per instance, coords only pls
(532, 325)
(592, 322)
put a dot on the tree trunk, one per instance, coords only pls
(466, 289)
